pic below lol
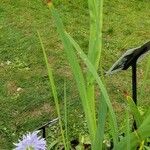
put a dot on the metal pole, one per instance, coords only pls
(48, 124)
(44, 132)
(134, 83)
(134, 88)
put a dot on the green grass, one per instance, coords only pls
(126, 24)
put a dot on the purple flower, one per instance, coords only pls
(31, 141)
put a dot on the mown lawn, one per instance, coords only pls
(25, 98)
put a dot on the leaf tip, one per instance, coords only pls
(49, 3)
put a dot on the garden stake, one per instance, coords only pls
(48, 124)
(134, 87)
(134, 82)
(130, 58)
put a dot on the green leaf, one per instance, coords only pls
(137, 136)
(135, 111)
(102, 114)
(51, 146)
(66, 117)
(101, 87)
(53, 87)
(77, 72)
(147, 148)
(127, 132)
(95, 46)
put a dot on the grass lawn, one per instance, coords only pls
(25, 98)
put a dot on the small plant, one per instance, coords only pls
(86, 84)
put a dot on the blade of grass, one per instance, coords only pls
(135, 111)
(51, 146)
(66, 117)
(141, 145)
(127, 132)
(77, 72)
(102, 114)
(95, 40)
(95, 45)
(52, 85)
(101, 87)
(90, 84)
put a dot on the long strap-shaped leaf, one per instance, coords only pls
(77, 72)
(66, 117)
(102, 114)
(53, 87)
(95, 45)
(95, 40)
(127, 131)
(101, 86)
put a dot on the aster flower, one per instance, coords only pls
(31, 141)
